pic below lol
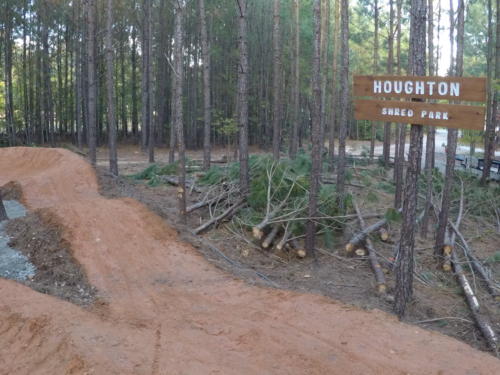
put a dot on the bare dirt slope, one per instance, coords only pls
(165, 310)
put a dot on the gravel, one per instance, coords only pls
(13, 264)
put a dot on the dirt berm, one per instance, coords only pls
(163, 309)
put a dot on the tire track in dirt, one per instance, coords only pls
(163, 309)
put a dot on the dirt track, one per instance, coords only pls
(165, 310)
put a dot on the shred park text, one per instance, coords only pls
(404, 112)
(442, 88)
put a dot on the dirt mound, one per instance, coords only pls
(165, 310)
(39, 235)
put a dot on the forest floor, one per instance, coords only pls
(348, 279)
(163, 308)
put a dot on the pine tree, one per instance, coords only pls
(110, 87)
(404, 262)
(316, 130)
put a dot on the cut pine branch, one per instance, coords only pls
(268, 241)
(480, 318)
(299, 250)
(483, 272)
(226, 215)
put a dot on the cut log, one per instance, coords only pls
(286, 235)
(483, 272)
(372, 256)
(360, 252)
(361, 236)
(268, 241)
(294, 244)
(480, 318)
(384, 234)
(228, 213)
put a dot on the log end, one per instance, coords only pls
(447, 266)
(381, 288)
(360, 252)
(280, 246)
(384, 235)
(349, 248)
(301, 253)
(257, 233)
(447, 250)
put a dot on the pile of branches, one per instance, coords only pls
(275, 210)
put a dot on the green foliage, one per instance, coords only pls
(372, 197)
(147, 173)
(495, 258)
(392, 215)
(388, 187)
(214, 175)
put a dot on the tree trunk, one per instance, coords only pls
(243, 94)
(344, 102)
(390, 70)
(404, 262)
(489, 137)
(451, 146)
(179, 7)
(316, 129)
(9, 98)
(113, 159)
(135, 113)
(335, 91)
(276, 80)
(207, 106)
(92, 81)
(431, 130)
(147, 128)
(399, 157)
(375, 71)
(294, 143)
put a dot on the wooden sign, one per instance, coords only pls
(436, 114)
(456, 89)
(449, 88)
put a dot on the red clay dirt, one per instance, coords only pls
(163, 309)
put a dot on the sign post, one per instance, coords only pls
(439, 89)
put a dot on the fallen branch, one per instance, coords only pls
(480, 319)
(207, 202)
(449, 240)
(372, 256)
(493, 289)
(228, 213)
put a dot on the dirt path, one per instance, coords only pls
(165, 310)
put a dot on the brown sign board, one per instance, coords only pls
(435, 114)
(448, 88)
